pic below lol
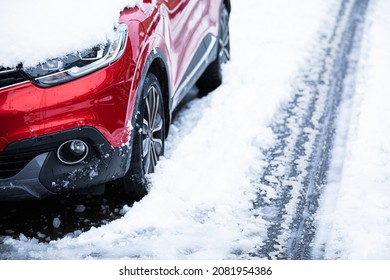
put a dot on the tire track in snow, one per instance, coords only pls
(298, 163)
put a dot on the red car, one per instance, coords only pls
(102, 115)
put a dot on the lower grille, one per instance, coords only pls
(9, 77)
(10, 165)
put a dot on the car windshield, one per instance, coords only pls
(33, 31)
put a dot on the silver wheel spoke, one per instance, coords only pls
(225, 40)
(145, 127)
(224, 54)
(158, 125)
(153, 130)
(153, 156)
(145, 147)
(147, 161)
(158, 144)
(147, 109)
(155, 107)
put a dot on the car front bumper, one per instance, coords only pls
(31, 169)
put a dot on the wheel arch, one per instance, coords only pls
(157, 65)
(228, 5)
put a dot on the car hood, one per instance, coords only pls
(33, 31)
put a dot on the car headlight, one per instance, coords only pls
(75, 65)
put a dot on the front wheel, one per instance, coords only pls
(148, 138)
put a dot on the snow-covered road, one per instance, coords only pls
(246, 168)
(354, 217)
(299, 161)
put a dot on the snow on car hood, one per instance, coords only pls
(33, 31)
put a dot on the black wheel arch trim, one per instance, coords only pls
(156, 62)
(228, 5)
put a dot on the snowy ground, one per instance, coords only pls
(201, 203)
(355, 215)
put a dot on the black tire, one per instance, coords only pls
(148, 139)
(212, 76)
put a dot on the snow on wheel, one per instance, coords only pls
(149, 138)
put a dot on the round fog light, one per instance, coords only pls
(72, 151)
(77, 147)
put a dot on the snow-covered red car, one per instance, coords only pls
(102, 114)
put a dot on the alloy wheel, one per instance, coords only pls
(224, 37)
(152, 130)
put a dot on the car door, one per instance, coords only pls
(185, 18)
